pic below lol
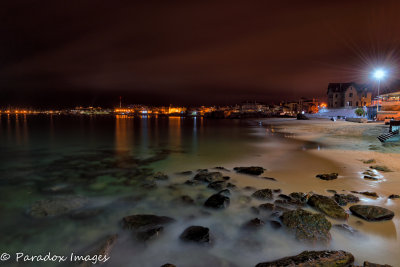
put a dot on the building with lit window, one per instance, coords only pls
(349, 95)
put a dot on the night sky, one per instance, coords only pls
(67, 53)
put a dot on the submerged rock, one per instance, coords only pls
(267, 206)
(254, 210)
(145, 221)
(346, 228)
(103, 247)
(275, 224)
(367, 177)
(269, 178)
(328, 176)
(56, 206)
(370, 264)
(253, 224)
(83, 214)
(208, 177)
(331, 191)
(197, 234)
(366, 193)
(325, 258)
(168, 265)
(187, 200)
(57, 189)
(253, 170)
(244, 199)
(217, 201)
(343, 199)
(372, 213)
(307, 226)
(192, 182)
(149, 234)
(225, 192)
(328, 206)
(185, 173)
(217, 185)
(300, 196)
(222, 169)
(380, 168)
(263, 194)
(160, 176)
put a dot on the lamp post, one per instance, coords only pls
(379, 74)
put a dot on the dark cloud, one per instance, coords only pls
(194, 52)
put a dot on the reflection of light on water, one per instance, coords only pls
(123, 133)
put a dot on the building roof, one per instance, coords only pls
(342, 87)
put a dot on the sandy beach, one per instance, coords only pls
(347, 147)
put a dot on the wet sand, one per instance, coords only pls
(347, 146)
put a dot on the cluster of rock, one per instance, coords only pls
(285, 211)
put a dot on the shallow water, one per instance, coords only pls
(106, 158)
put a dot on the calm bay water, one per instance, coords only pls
(107, 161)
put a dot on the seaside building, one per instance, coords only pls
(349, 95)
(385, 107)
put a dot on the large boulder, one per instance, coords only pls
(372, 213)
(145, 221)
(57, 205)
(253, 170)
(208, 177)
(197, 234)
(328, 176)
(325, 258)
(217, 201)
(263, 194)
(328, 206)
(343, 199)
(307, 226)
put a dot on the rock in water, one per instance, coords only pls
(253, 224)
(168, 265)
(253, 170)
(152, 233)
(196, 234)
(103, 248)
(263, 194)
(145, 221)
(372, 213)
(370, 264)
(217, 201)
(325, 258)
(393, 196)
(160, 176)
(328, 206)
(208, 177)
(343, 199)
(366, 193)
(346, 228)
(217, 185)
(307, 226)
(328, 176)
(56, 206)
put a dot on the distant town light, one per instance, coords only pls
(379, 74)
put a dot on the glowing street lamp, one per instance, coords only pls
(379, 74)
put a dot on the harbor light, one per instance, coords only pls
(379, 74)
